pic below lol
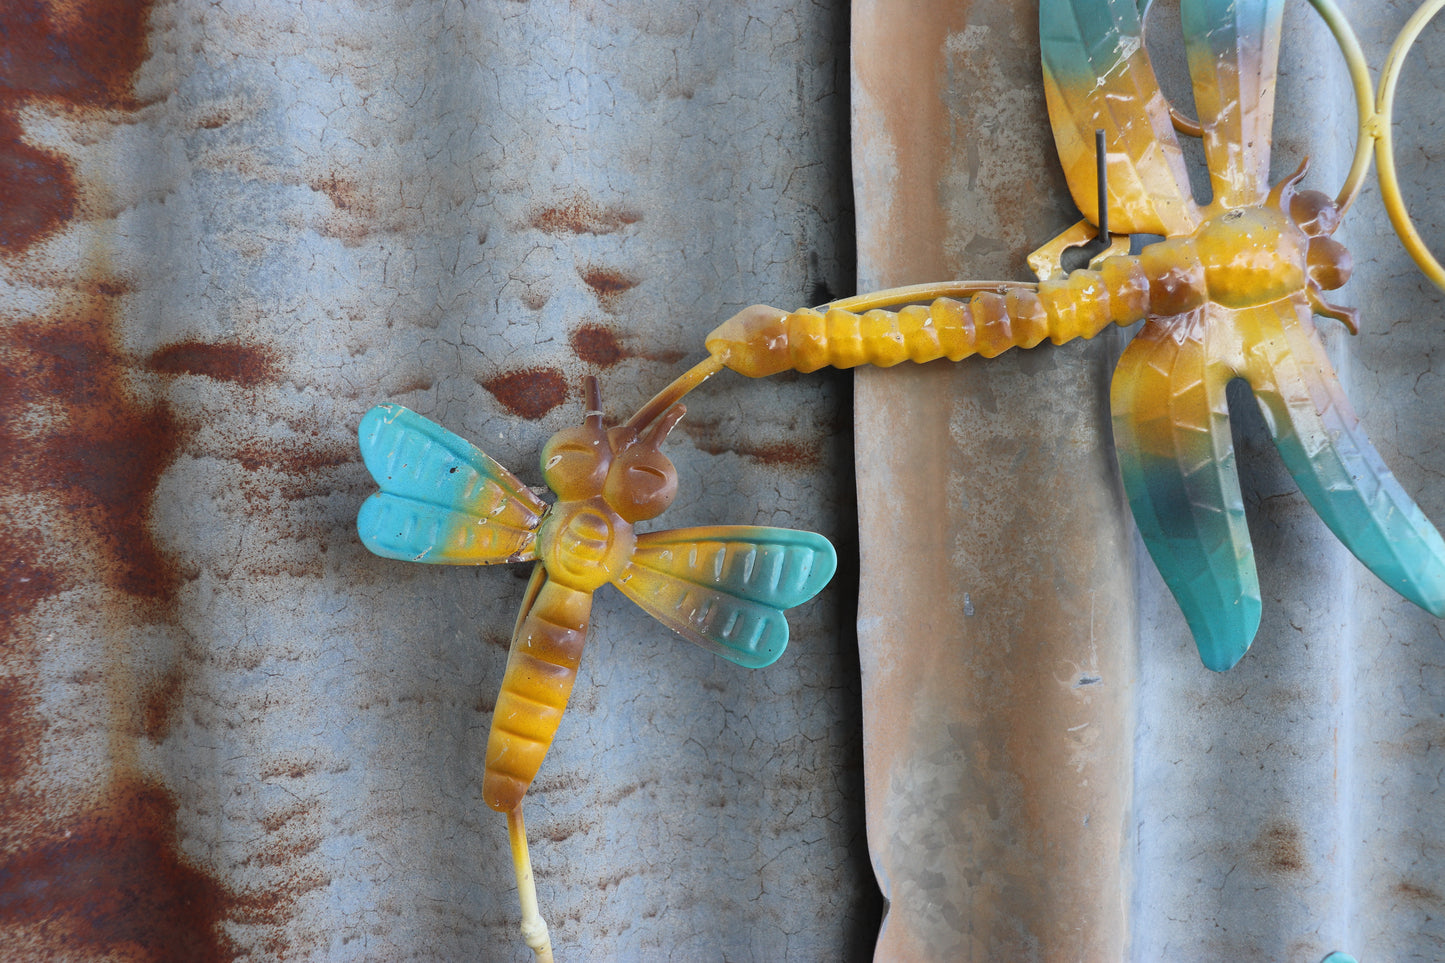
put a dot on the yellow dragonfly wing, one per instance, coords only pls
(1097, 76)
(726, 587)
(1233, 48)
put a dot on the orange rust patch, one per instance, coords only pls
(23, 583)
(104, 460)
(37, 192)
(706, 437)
(19, 731)
(582, 215)
(295, 459)
(113, 882)
(247, 365)
(85, 52)
(86, 58)
(530, 392)
(163, 703)
(609, 284)
(597, 344)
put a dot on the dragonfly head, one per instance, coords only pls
(624, 465)
(1327, 262)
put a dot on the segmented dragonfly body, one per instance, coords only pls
(1230, 293)
(1242, 258)
(442, 500)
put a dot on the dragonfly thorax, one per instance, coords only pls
(585, 544)
(1252, 256)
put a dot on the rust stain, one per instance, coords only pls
(247, 365)
(37, 191)
(529, 392)
(102, 461)
(597, 344)
(609, 284)
(1280, 849)
(83, 53)
(580, 214)
(1413, 892)
(19, 732)
(708, 437)
(295, 459)
(23, 582)
(163, 704)
(112, 882)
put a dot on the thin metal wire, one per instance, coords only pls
(1385, 144)
(1376, 121)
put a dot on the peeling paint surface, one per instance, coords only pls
(226, 231)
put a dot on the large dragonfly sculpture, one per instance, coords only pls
(1230, 293)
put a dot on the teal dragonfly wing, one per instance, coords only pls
(726, 587)
(442, 500)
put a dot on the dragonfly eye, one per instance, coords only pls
(1329, 262)
(641, 485)
(575, 462)
(1315, 213)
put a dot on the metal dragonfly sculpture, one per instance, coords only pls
(1230, 293)
(442, 500)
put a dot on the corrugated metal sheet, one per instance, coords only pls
(226, 731)
(229, 230)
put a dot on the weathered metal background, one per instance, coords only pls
(229, 229)
(1277, 812)
(226, 230)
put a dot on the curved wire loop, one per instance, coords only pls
(1375, 125)
(1385, 144)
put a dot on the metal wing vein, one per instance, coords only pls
(726, 587)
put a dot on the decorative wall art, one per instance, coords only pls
(1229, 293)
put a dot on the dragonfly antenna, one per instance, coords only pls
(670, 395)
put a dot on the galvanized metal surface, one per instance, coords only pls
(226, 731)
(1279, 811)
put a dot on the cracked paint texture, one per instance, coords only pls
(229, 732)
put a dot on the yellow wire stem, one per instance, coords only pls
(1385, 144)
(534, 928)
(673, 393)
(914, 293)
(1359, 69)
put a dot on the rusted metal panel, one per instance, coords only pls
(228, 230)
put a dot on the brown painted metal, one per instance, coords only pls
(996, 616)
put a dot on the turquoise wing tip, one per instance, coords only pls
(1224, 636)
(1338, 957)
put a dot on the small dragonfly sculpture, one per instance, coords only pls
(1230, 293)
(442, 500)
